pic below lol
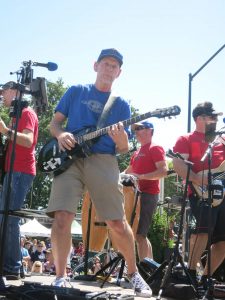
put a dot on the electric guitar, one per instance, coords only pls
(52, 160)
(217, 174)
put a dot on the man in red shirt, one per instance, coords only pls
(192, 147)
(148, 165)
(23, 172)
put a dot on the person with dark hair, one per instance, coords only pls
(23, 172)
(192, 147)
(148, 165)
(81, 106)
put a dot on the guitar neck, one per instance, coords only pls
(158, 113)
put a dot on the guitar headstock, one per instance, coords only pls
(167, 112)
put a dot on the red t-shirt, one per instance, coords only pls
(143, 161)
(24, 157)
(195, 146)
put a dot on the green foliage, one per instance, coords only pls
(158, 234)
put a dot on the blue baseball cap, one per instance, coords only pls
(111, 53)
(144, 124)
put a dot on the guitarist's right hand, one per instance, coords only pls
(66, 141)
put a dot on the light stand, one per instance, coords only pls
(191, 77)
(25, 76)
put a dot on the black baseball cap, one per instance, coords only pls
(205, 108)
(9, 85)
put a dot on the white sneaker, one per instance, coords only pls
(60, 282)
(141, 288)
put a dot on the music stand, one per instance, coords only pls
(128, 180)
(176, 256)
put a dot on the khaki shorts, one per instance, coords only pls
(99, 174)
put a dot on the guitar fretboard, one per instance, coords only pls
(158, 113)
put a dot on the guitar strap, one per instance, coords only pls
(109, 104)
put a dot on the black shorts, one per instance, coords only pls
(200, 216)
(148, 204)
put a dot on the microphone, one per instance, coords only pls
(51, 66)
(172, 154)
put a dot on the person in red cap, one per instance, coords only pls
(193, 147)
(81, 106)
(148, 165)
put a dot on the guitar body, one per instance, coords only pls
(217, 174)
(51, 159)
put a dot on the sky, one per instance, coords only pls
(162, 42)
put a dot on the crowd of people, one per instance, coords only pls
(36, 257)
(95, 168)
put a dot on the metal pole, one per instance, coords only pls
(190, 87)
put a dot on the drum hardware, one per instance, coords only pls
(86, 276)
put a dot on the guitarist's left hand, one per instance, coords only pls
(119, 137)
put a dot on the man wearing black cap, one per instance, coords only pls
(148, 165)
(82, 106)
(24, 170)
(192, 147)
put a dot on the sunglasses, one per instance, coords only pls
(137, 128)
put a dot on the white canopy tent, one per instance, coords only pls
(34, 228)
(76, 230)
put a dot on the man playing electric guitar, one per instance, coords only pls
(82, 106)
(192, 147)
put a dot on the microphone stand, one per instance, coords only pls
(5, 216)
(210, 286)
(176, 256)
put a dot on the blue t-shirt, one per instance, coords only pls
(82, 105)
(24, 252)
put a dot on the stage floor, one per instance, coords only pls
(90, 286)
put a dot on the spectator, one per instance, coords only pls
(79, 251)
(97, 265)
(37, 267)
(39, 254)
(49, 266)
(25, 256)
